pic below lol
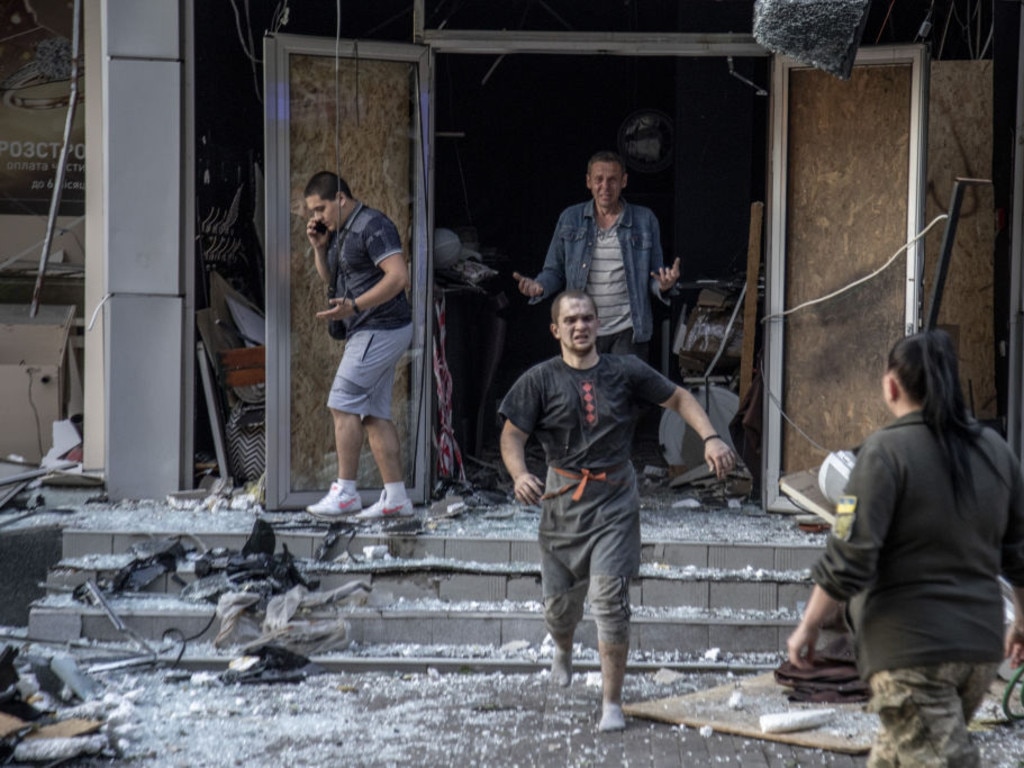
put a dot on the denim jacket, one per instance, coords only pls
(567, 263)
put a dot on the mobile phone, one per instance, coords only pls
(319, 227)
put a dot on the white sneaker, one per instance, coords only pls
(379, 510)
(336, 505)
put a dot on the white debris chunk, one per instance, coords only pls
(687, 503)
(666, 676)
(713, 654)
(593, 679)
(736, 699)
(515, 646)
(795, 720)
(706, 731)
(37, 750)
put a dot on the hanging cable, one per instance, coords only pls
(337, 90)
(782, 412)
(248, 48)
(861, 280)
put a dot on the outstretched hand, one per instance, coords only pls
(667, 276)
(339, 310)
(527, 285)
(720, 458)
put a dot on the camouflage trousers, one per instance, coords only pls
(924, 712)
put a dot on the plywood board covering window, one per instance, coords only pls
(847, 214)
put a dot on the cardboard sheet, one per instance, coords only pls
(850, 732)
(802, 488)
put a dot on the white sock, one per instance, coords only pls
(348, 487)
(394, 493)
(612, 717)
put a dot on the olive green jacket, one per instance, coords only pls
(920, 566)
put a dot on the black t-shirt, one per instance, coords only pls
(584, 418)
(357, 250)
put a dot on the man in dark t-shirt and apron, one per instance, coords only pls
(583, 407)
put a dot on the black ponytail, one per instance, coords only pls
(926, 366)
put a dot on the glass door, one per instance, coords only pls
(359, 109)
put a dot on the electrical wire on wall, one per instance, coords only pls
(337, 91)
(858, 281)
(245, 36)
(35, 411)
(828, 297)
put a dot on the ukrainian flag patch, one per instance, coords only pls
(846, 513)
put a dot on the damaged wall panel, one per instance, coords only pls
(371, 149)
(847, 181)
(960, 145)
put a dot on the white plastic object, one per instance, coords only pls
(795, 720)
(834, 473)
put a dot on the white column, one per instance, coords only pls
(144, 371)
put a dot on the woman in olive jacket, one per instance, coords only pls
(932, 515)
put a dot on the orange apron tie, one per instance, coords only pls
(580, 485)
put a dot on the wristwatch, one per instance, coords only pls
(355, 307)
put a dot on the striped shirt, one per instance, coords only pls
(606, 283)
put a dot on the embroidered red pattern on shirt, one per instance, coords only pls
(588, 394)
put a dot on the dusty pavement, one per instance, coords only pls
(377, 719)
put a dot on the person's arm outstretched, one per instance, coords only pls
(717, 453)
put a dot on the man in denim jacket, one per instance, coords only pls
(611, 250)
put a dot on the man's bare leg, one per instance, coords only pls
(386, 448)
(613, 672)
(561, 664)
(348, 442)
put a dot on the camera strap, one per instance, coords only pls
(341, 245)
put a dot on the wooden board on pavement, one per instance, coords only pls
(850, 732)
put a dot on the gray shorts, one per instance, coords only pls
(366, 374)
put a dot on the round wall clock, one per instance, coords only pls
(645, 140)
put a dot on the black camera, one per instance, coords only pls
(319, 227)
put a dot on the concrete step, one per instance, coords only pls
(59, 618)
(724, 554)
(467, 591)
(657, 586)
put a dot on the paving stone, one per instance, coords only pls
(417, 547)
(54, 626)
(739, 638)
(796, 558)
(478, 550)
(736, 557)
(668, 636)
(749, 595)
(477, 630)
(298, 545)
(81, 543)
(794, 596)
(411, 586)
(524, 588)
(458, 587)
(528, 628)
(672, 592)
(674, 553)
(524, 551)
